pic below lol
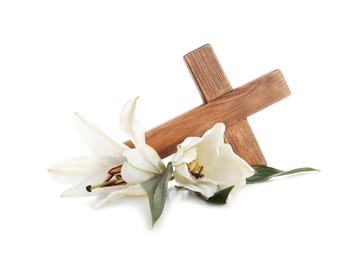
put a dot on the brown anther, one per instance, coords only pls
(119, 182)
(108, 178)
(122, 183)
(197, 175)
(115, 170)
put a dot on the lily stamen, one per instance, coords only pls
(196, 170)
(116, 172)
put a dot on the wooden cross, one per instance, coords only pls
(221, 104)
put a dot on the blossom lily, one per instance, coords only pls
(206, 164)
(113, 168)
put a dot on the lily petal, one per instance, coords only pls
(130, 125)
(184, 178)
(185, 154)
(98, 142)
(182, 175)
(206, 189)
(209, 144)
(145, 158)
(73, 171)
(133, 175)
(229, 168)
(135, 190)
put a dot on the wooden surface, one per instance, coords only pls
(212, 82)
(230, 109)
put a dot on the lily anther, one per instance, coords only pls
(196, 170)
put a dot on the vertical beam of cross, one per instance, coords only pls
(212, 82)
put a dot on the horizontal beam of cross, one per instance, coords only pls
(230, 108)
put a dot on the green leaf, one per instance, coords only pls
(221, 196)
(157, 189)
(264, 173)
(298, 170)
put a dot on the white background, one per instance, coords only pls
(58, 57)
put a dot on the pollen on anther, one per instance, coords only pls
(115, 170)
(192, 165)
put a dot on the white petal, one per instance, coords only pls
(184, 178)
(182, 175)
(186, 151)
(133, 175)
(228, 169)
(98, 142)
(182, 156)
(145, 158)
(208, 147)
(206, 189)
(130, 125)
(75, 170)
(135, 190)
(189, 142)
(153, 158)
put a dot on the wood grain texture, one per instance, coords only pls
(244, 143)
(207, 73)
(212, 82)
(230, 109)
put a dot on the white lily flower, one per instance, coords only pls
(114, 168)
(207, 164)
